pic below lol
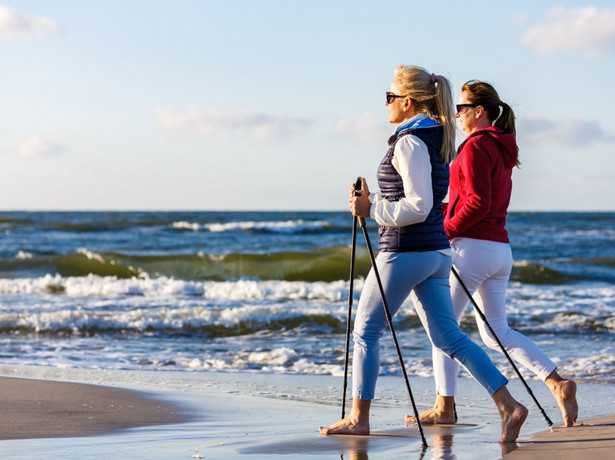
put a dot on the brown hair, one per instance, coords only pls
(482, 93)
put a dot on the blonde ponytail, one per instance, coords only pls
(433, 95)
(445, 114)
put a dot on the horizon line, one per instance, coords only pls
(270, 210)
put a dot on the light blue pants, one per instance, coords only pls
(426, 274)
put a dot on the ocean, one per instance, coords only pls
(267, 292)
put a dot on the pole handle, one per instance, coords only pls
(357, 186)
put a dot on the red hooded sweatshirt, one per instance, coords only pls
(480, 186)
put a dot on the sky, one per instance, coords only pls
(279, 104)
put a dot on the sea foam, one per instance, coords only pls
(288, 226)
(111, 286)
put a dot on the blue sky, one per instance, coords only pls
(279, 105)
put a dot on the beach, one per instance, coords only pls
(162, 415)
(221, 335)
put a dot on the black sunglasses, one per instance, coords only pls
(461, 106)
(392, 96)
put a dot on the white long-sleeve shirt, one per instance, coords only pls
(411, 161)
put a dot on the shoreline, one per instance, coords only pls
(223, 415)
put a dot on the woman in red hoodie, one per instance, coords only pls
(475, 222)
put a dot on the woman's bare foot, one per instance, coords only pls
(512, 413)
(349, 425)
(443, 412)
(511, 423)
(565, 393)
(433, 416)
(357, 422)
(508, 447)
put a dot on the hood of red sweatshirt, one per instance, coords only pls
(506, 141)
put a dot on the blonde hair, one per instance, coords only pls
(432, 95)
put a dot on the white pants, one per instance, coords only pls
(485, 266)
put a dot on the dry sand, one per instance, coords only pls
(592, 440)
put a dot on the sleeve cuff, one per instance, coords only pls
(373, 198)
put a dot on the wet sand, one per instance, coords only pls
(49, 409)
(257, 416)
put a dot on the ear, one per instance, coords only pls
(407, 104)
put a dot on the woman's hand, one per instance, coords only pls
(360, 205)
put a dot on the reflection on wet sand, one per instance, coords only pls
(388, 443)
(443, 448)
(440, 447)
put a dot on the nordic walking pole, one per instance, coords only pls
(484, 319)
(357, 186)
(390, 322)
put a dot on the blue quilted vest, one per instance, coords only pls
(428, 235)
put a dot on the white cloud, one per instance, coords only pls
(588, 31)
(36, 147)
(567, 132)
(14, 24)
(365, 127)
(260, 126)
(519, 19)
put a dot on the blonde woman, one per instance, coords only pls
(414, 253)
